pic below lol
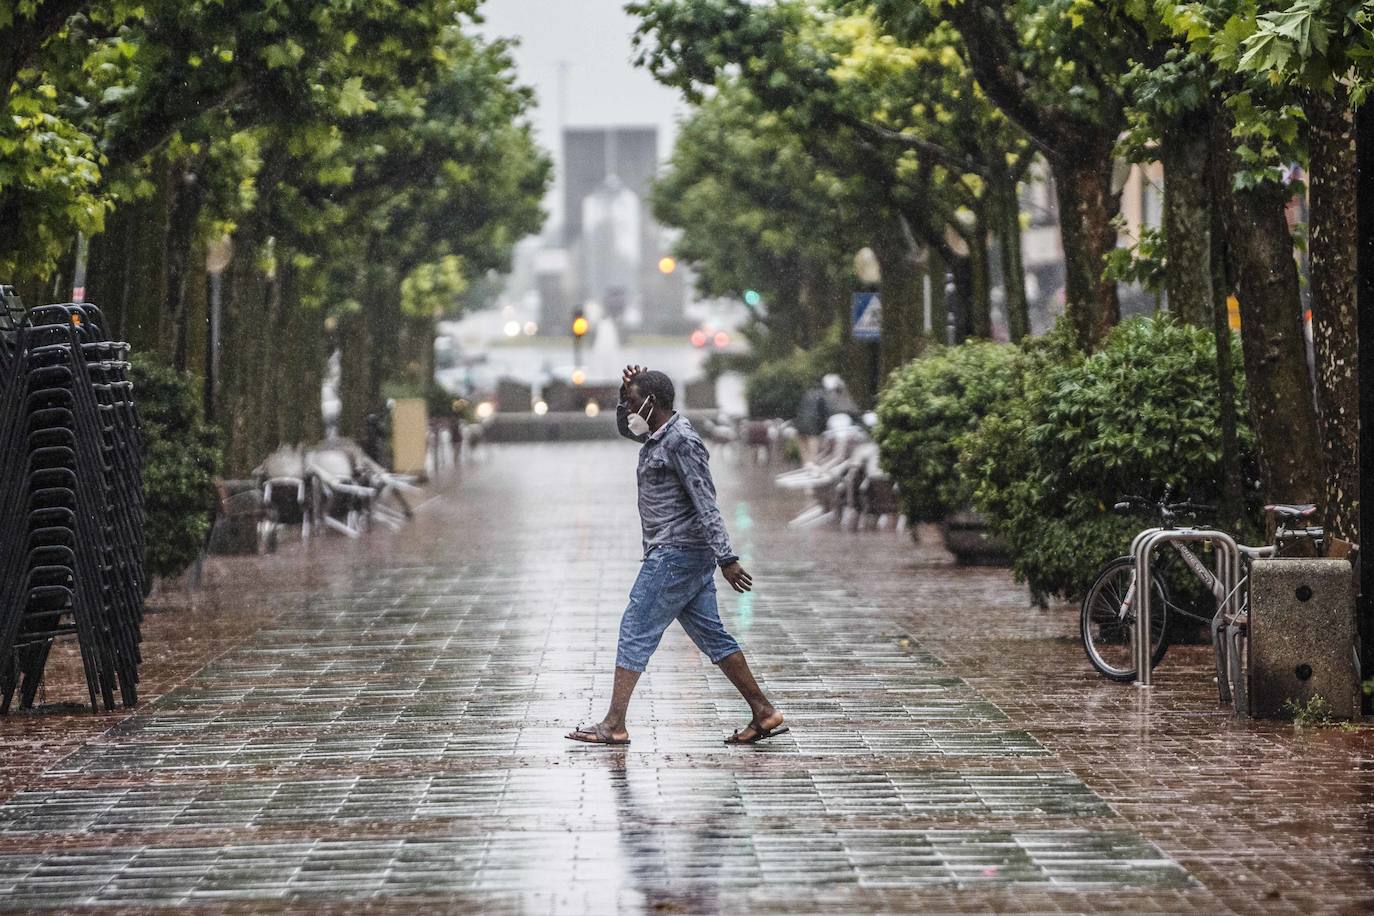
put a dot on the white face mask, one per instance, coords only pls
(638, 425)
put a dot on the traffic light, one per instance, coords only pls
(752, 297)
(667, 264)
(580, 325)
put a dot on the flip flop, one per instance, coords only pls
(595, 737)
(761, 734)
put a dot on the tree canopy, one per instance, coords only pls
(363, 158)
(915, 124)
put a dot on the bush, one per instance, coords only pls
(181, 458)
(924, 412)
(774, 388)
(1139, 414)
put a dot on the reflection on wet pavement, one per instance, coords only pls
(399, 736)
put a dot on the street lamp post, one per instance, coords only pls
(83, 247)
(218, 254)
(1364, 293)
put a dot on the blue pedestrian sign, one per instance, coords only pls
(866, 317)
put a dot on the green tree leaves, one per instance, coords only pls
(364, 153)
(1047, 462)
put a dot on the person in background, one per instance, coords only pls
(810, 423)
(837, 399)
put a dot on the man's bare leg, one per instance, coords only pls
(765, 717)
(613, 726)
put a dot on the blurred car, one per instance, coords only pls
(706, 335)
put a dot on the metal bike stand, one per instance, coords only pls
(1228, 575)
(1142, 604)
(1229, 675)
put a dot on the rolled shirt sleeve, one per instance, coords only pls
(692, 464)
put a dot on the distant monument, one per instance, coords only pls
(612, 246)
(609, 231)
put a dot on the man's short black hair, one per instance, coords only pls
(655, 383)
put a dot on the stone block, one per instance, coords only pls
(513, 396)
(1302, 636)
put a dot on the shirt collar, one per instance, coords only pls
(658, 433)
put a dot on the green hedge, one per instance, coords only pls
(774, 388)
(181, 458)
(1048, 462)
(927, 409)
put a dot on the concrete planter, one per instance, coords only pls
(967, 536)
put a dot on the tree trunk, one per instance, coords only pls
(240, 413)
(368, 341)
(1232, 503)
(1008, 209)
(816, 312)
(1187, 220)
(105, 267)
(197, 316)
(301, 420)
(123, 275)
(143, 297)
(980, 315)
(855, 370)
(384, 329)
(1087, 206)
(806, 302)
(268, 369)
(1281, 407)
(961, 304)
(300, 364)
(354, 371)
(185, 196)
(1332, 243)
(937, 268)
(109, 269)
(901, 298)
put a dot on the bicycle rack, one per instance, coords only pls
(1227, 573)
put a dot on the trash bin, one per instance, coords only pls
(409, 436)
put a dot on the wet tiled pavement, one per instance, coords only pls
(380, 725)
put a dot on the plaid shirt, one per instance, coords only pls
(677, 498)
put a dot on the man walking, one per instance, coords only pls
(684, 541)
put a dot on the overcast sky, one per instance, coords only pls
(600, 86)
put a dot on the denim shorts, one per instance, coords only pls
(675, 583)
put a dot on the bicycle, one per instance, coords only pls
(1107, 621)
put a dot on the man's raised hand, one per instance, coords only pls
(629, 374)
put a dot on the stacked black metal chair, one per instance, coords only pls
(14, 519)
(72, 476)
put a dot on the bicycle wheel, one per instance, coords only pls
(1108, 633)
